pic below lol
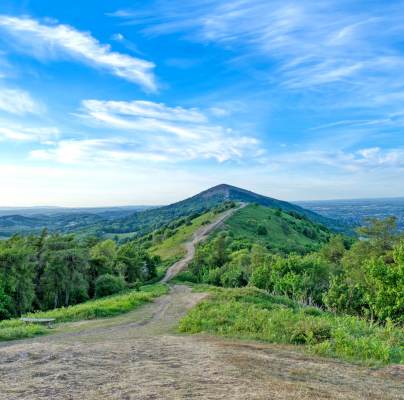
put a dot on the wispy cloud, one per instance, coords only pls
(20, 133)
(148, 131)
(309, 44)
(19, 102)
(46, 41)
(362, 160)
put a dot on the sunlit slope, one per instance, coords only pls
(277, 230)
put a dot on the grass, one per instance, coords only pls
(284, 232)
(172, 248)
(250, 313)
(106, 307)
(15, 329)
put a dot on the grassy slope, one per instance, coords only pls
(101, 308)
(249, 313)
(284, 232)
(172, 248)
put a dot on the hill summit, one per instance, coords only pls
(144, 221)
(140, 222)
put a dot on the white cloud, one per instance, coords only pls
(46, 41)
(308, 43)
(360, 161)
(17, 101)
(93, 150)
(144, 109)
(19, 133)
(152, 132)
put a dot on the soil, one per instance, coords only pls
(139, 355)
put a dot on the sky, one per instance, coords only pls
(147, 102)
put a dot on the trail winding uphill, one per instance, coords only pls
(139, 355)
(200, 235)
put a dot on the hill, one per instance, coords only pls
(148, 220)
(138, 223)
(277, 231)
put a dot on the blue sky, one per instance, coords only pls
(146, 102)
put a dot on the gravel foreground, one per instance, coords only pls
(139, 356)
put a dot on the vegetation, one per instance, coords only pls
(250, 313)
(168, 242)
(363, 278)
(127, 223)
(50, 271)
(277, 231)
(101, 308)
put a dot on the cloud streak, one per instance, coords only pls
(308, 44)
(151, 132)
(47, 41)
(19, 102)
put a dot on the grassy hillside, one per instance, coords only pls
(173, 247)
(126, 223)
(250, 313)
(143, 222)
(276, 230)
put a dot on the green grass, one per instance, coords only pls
(16, 329)
(249, 313)
(284, 232)
(172, 249)
(101, 308)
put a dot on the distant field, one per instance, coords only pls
(354, 212)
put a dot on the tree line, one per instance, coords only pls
(53, 270)
(362, 277)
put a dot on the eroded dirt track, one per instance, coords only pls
(199, 236)
(139, 356)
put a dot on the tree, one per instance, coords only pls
(64, 276)
(107, 284)
(17, 273)
(381, 232)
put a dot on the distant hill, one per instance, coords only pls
(122, 221)
(145, 221)
(26, 220)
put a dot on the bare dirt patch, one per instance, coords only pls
(139, 356)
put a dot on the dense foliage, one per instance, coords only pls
(251, 313)
(364, 278)
(49, 271)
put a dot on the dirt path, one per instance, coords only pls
(139, 356)
(200, 235)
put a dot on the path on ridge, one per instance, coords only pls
(200, 235)
(140, 355)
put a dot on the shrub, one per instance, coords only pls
(107, 284)
(253, 314)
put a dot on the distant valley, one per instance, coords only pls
(354, 212)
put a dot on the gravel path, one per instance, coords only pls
(139, 356)
(201, 234)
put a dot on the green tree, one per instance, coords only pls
(107, 284)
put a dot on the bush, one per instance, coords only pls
(107, 284)
(262, 230)
(250, 313)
